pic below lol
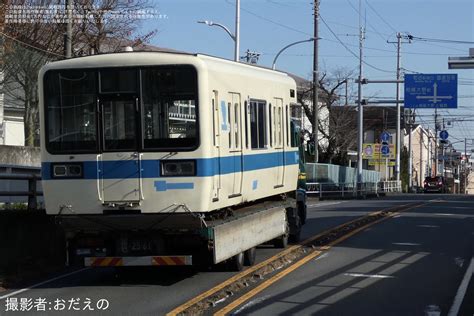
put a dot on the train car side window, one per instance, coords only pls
(258, 124)
(229, 122)
(237, 125)
(246, 126)
(287, 119)
(270, 143)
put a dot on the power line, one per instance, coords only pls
(380, 17)
(349, 50)
(437, 40)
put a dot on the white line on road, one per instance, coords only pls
(428, 226)
(322, 256)
(251, 303)
(376, 276)
(405, 244)
(454, 310)
(323, 204)
(443, 214)
(41, 283)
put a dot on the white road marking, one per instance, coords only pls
(41, 283)
(362, 275)
(251, 303)
(454, 310)
(323, 204)
(405, 244)
(324, 255)
(459, 261)
(443, 214)
(397, 216)
(428, 226)
(432, 310)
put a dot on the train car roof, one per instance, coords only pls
(91, 59)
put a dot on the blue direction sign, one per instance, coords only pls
(385, 150)
(431, 91)
(385, 137)
(443, 135)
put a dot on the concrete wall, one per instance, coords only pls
(20, 156)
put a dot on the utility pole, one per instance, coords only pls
(237, 31)
(409, 121)
(315, 82)
(360, 113)
(68, 35)
(465, 166)
(397, 139)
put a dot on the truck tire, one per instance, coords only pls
(302, 210)
(282, 241)
(296, 235)
(236, 263)
(249, 256)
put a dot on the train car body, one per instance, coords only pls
(150, 131)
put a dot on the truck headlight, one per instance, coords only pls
(178, 168)
(67, 170)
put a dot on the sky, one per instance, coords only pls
(269, 25)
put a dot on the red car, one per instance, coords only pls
(435, 184)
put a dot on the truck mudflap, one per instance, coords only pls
(138, 261)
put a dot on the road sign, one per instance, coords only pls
(431, 91)
(385, 137)
(443, 135)
(374, 151)
(385, 150)
(381, 162)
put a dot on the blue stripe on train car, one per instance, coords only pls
(205, 167)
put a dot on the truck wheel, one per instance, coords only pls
(296, 236)
(302, 211)
(236, 263)
(249, 256)
(282, 241)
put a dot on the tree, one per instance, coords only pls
(29, 46)
(336, 121)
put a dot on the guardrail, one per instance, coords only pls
(390, 186)
(32, 192)
(346, 190)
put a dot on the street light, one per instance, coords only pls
(236, 36)
(287, 46)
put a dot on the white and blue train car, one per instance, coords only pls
(163, 132)
(143, 149)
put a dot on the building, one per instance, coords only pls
(423, 146)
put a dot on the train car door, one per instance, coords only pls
(235, 142)
(279, 141)
(120, 160)
(216, 180)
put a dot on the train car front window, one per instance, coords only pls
(169, 107)
(70, 101)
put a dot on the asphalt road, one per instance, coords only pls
(402, 266)
(418, 259)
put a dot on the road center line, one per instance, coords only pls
(405, 244)
(41, 283)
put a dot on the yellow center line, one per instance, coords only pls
(217, 288)
(301, 262)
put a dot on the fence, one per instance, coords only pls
(20, 184)
(327, 173)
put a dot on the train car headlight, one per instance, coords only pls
(178, 168)
(69, 170)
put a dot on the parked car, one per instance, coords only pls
(435, 184)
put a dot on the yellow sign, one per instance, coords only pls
(376, 151)
(381, 162)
